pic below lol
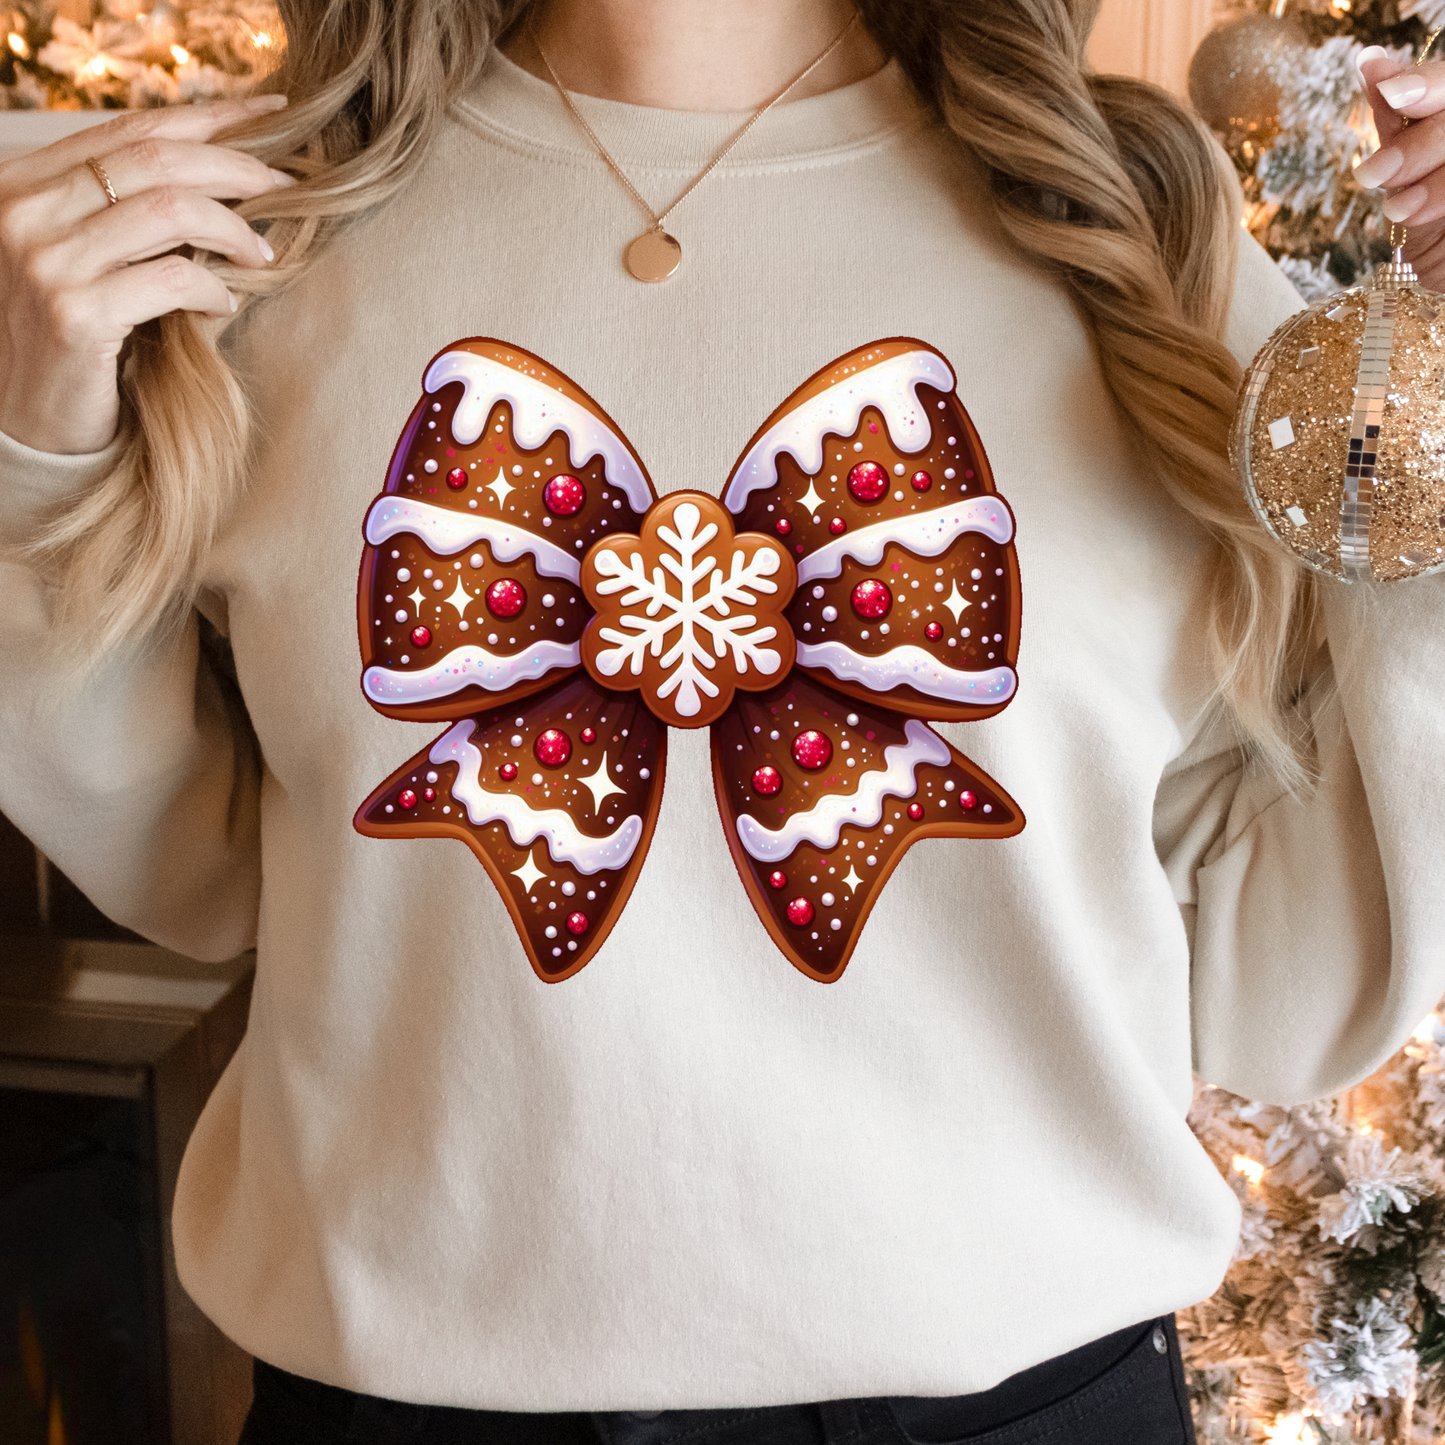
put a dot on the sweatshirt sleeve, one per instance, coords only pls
(1318, 921)
(140, 780)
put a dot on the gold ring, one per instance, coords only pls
(100, 175)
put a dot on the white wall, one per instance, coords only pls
(1152, 39)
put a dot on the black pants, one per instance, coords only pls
(1125, 1389)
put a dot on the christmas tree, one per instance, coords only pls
(1277, 82)
(117, 54)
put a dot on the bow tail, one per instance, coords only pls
(821, 795)
(557, 795)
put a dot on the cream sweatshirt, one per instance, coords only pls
(448, 1166)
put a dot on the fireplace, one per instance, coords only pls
(109, 1047)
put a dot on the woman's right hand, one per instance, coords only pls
(78, 272)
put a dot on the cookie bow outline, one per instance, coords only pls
(522, 581)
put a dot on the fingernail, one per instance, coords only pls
(1373, 172)
(1370, 52)
(266, 250)
(267, 102)
(1404, 205)
(280, 178)
(1402, 90)
(235, 302)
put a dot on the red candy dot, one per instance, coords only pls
(800, 912)
(553, 747)
(783, 526)
(867, 482)
(767, 781)
(837, 526)
(577, 923)
(456, 479)
(508, 771)
(921, 481)
(589, 735)
(967, 800)
(421, 636)
(777, 879)
(872, 599)
(407, 799)
(564, 495)
(812, 750)
(933, 632)
(430, 794)
(506, 597)
(915, 811)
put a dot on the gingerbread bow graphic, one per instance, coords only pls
(523, 582)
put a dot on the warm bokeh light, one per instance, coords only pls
(1252, 1169)
(1290, 1430)
(180, 54)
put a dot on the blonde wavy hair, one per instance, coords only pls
(1107, 183)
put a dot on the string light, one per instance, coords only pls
(97, 65)
(180, 54)
(1252, 1169)
(1290, 1430)
(18, 45)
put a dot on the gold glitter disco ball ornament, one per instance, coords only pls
(1339, 438)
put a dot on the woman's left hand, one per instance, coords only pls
(1410, 164)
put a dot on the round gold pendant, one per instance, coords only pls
(653, 256)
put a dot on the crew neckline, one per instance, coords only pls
(519, 109)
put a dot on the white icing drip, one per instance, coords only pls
(913, 666)
(822, 824)
(566, 842)
(537, 411)
(926, 533)
(448, 533)
(890, 386)
(470, 666)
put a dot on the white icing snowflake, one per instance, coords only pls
(685, 615)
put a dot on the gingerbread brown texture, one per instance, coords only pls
(405, 584)
(977, 574)
(815, 900)
(597, 757)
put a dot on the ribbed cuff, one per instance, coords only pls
(34, 484)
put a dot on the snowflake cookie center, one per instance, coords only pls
(688, 611)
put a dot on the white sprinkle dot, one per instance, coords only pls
(431, 777)
(817, 591)
(830, 614)
(852, 719)
(548, 599)
(836, 924)
(536, 780)
(644, 774)
(404, 574)
(475, 560)
(569, 888)
(551, 931)
(516, 471)
(431, 465)
(827, 900)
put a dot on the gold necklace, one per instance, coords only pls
(655, 255)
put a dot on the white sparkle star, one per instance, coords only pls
(810, 499)
(956, 602)
(416, 597)
(502, 488)
(599, 784)
(529, 873)
(852, 880)
(461, 599)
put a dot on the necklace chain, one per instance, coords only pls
(658, 217)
